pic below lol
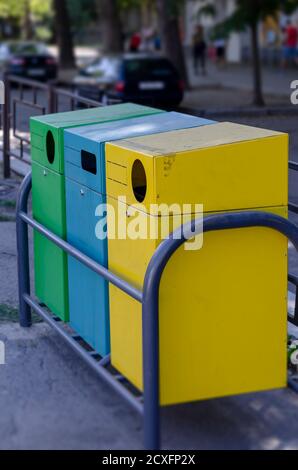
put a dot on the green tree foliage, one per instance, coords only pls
(21, 13)
(128, 4)
(11, 8)
(16, 8)
(81, 13)
(248, 14)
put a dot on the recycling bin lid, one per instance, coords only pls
(184, 140)
(223, 166)
(47, 137)
(84, 146)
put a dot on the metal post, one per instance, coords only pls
(150, 334)
(295, 319)
(23, 252)
(51, 99)
(6, 128)
(150, 299)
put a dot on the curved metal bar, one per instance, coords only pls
(22, 251)
(150, 294)
(98, 367)
(150, 304)
(27, 81)
(293, 165)
(23, 220)
(86, 260)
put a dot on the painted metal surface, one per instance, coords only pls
(88, 293)
(50, 263)
(47, 150)
(223, 166)
(237, 172)
(40, 127)
(85, 190)
(92, 138)
(151, 310)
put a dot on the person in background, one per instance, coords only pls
(290, 44)
(271, 43)
(157, 42)
(135, 42)
(147, 35)
(199, 50)
(220, 47)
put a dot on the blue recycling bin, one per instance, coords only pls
(84, 150)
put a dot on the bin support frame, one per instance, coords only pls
(147, 404)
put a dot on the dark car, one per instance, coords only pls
(144, 79)
(27, 59)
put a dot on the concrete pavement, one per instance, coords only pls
(276, 81)
(230, 89)
(50, 400)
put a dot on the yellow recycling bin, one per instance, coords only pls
(223, 312)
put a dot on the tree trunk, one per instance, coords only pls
(170, 36)
(64, 35)
(257, 72)
(27, 27)
(112, 38)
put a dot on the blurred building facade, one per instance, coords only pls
(238, 48)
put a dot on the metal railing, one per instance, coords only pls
(292, 278)
(39, 98)
(148, 405)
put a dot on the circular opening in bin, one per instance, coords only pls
(50, 146)
(139, 181)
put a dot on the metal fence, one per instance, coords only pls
(293, 166)
(148, 404)
(23, 98)
(41, 98)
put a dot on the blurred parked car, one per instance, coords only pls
(27, 59)
(139, 78)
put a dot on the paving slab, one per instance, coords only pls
(276, 80)
(49, 399)
(8, 263)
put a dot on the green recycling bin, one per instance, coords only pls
(48, 193)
